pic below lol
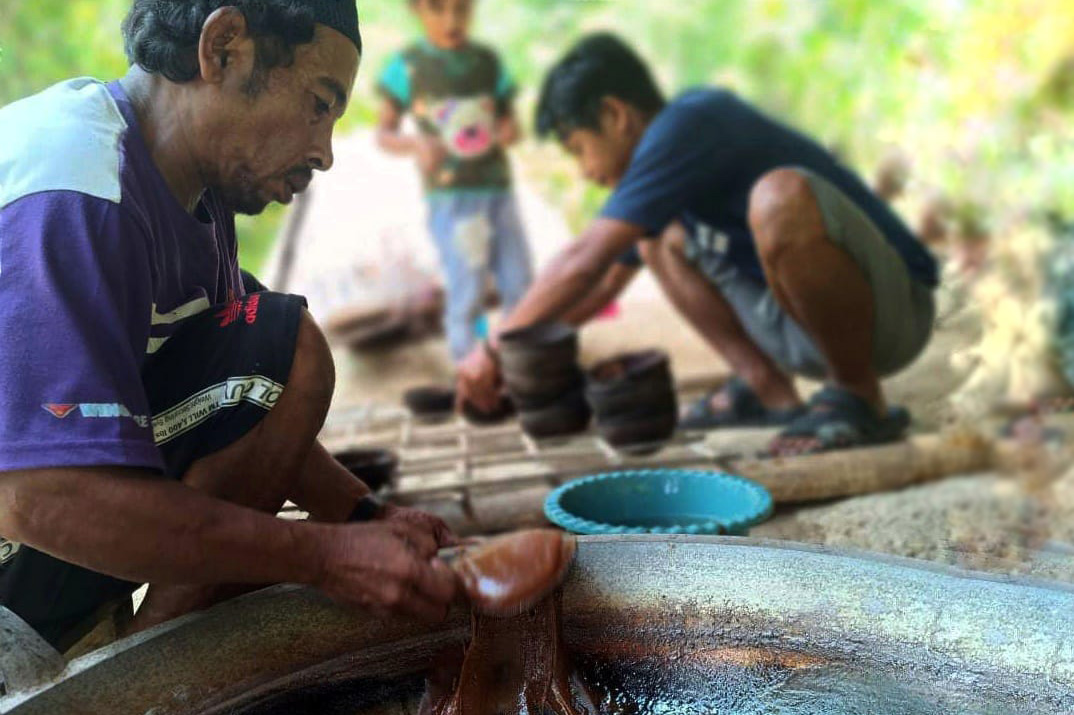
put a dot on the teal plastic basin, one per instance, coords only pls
(659, 501)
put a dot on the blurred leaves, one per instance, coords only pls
(978, 95)
(45, 41)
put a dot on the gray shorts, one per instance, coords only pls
(905, 309)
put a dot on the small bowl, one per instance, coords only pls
(544, 348)
(534, 393)
(430, 401)
(375, 467)
(659, 501)
(540, 335)
(568, 415)
(639, 436)
(634, 401)
(631, 367)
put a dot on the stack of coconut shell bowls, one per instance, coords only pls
(633, 397)
(542, 375)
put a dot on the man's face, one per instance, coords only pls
(446, 22)
(602, 156)
(262, 140)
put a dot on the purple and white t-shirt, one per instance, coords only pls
(99, 265)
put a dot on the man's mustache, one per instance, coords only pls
(300, 178)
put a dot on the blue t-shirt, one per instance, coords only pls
(698, 161)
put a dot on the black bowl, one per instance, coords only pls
(540, 347)
(628, 371)
(538, 360)
(633, 398)
(530, 392)
(568, 415)
(540, 335)
(375, 467)
(430, 401)
(640, 435)
(629, 383)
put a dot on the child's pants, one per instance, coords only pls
(476, 233)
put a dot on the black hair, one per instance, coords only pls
(600, 65)
(161, 36)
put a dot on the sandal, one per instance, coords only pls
(744, 409)
(839, 419)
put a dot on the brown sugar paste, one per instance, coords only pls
(516, 662)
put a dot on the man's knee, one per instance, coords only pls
(782, 206)
(313, 373)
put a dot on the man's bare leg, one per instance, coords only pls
(705, 308)
(325, 488)
(275, 461)
(816, 281)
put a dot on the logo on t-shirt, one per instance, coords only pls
(711, 240)
(8, 549)
(95, 410)
(59, 411)
(467, 125)
(244, 308)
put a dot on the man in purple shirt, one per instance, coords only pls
(158, 406)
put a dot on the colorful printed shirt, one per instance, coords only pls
(457, 95)
(99, 265)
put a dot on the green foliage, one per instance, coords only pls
(45, 41)
(978, 95)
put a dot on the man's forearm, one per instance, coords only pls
(326, 489)
(564, 283)
(137, 526)
(574, 273)
(615, 282)
(587, 309)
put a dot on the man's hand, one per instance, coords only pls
(434, 525)
(387, 567)
(479, 381)
(430, 153)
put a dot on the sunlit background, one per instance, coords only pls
(976, 96)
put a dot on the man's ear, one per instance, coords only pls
(615, 116)
(225, 46)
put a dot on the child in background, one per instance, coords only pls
(461, 98)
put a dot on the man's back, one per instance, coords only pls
(706, 150)
(99, 264)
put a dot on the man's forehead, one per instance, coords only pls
(331, 60)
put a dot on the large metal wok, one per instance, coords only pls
(717, 606)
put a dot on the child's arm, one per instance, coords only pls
(508, 131)
(389, 136)
(428, 150)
